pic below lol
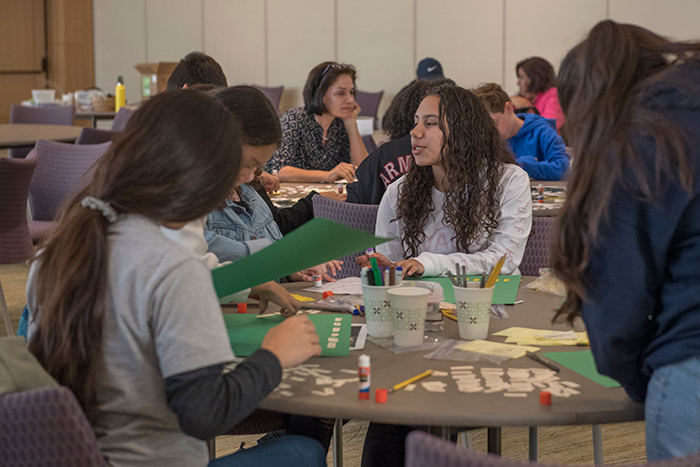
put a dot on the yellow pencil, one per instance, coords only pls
(449, 315)
(403, 384)
(495, 272)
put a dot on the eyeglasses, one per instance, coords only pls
(524, 110)
(330, 66)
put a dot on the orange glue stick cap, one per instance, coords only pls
(545, 398)
(380, 396)
(242, 307)
(327, 294)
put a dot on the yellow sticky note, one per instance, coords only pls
(496, 348)
(302, 298)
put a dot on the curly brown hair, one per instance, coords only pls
(473, 154)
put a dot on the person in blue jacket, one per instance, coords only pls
(627, 244)
(533, 139)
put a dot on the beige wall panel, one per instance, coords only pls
(234, 35)
(546, 28)
(466, 37)
(301, 34)
(22, 34)
(15, 89)
(678, 19)
(377, 38)
(173, 29)
(120, 43)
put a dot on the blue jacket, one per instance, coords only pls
(237, 231)
(539, 149)
(642, 309)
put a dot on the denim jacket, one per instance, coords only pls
(235, 232)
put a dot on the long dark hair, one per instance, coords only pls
(398, 119)
(177, 161)
(540, 72)
(600, 90)
(473, 154)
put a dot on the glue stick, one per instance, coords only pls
(363, 373)
(318, 282)
(540, 193)
(399, 275)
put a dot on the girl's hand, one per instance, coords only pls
(353, 117)
(293, 341)
(273, 292)
(341, 171)
(382, 261)
(270, 182)
(321, 270)
(411, 267)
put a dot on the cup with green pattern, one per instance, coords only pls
(408, 308)
(473, 311)
(377, 310)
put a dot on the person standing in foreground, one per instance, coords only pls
(627, 242)
(129, 320)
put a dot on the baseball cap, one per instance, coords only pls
(429, 68)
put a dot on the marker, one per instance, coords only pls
(375, 270)
(459, 275)
(403, 384)
(452, 278)
(541, 361)
(399, 275)
(482, 282)
(392, 275)
(464, 276)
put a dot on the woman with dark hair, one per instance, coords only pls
(537, 83)
(129, 320)
(391, 159)
(463, 201)
(320, 141)
(627, 242)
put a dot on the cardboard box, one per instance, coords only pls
(154, 77)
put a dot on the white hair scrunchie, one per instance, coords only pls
(104, 207)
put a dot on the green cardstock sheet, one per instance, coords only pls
(246, 332)
(315, 242)
(504, 292)
(582, 362)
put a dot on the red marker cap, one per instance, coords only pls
(242, 307)
(380, 395)
(327, 294)
(545, 398)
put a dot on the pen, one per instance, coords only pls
(464, 276)
(542, 361)
(482, 282)
(459, 276)
(403, 384)
(452, 278)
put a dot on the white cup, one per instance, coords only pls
(408, 308)
(377, 310)
(473, 311)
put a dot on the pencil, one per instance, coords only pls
(449, 315)
(495, 272)
(403, 384)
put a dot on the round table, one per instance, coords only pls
(14, 135)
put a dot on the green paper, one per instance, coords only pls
(246, 332)
(582, 363)
(504, 292)
(315, 242)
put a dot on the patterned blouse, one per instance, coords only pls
(302, 144)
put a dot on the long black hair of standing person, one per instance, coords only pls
(177, 160)
(599, 89)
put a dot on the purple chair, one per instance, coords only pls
(62, 169)
(369, 104)
(95, 136)
(357, 216)
(370, 145)
(538, 246)
(46, 427)
(423, 449)
(59, 115)
(122, 118)
(274, 94)
(15, 241)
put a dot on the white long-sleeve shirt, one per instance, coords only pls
(439, 252)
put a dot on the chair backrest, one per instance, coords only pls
(15, 241)
(369, 143)
(59, 115)
(62, 169)
(46, 427)
(369, 104)
(538, 246)
(274, 94)
(122, 118)
(357, 216)
(95, 136)
(423, 449)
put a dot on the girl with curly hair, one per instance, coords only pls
(464, 200)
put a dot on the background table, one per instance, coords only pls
(94, 116)
(23, 134)
(595, 404)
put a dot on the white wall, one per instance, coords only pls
(277, 42)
